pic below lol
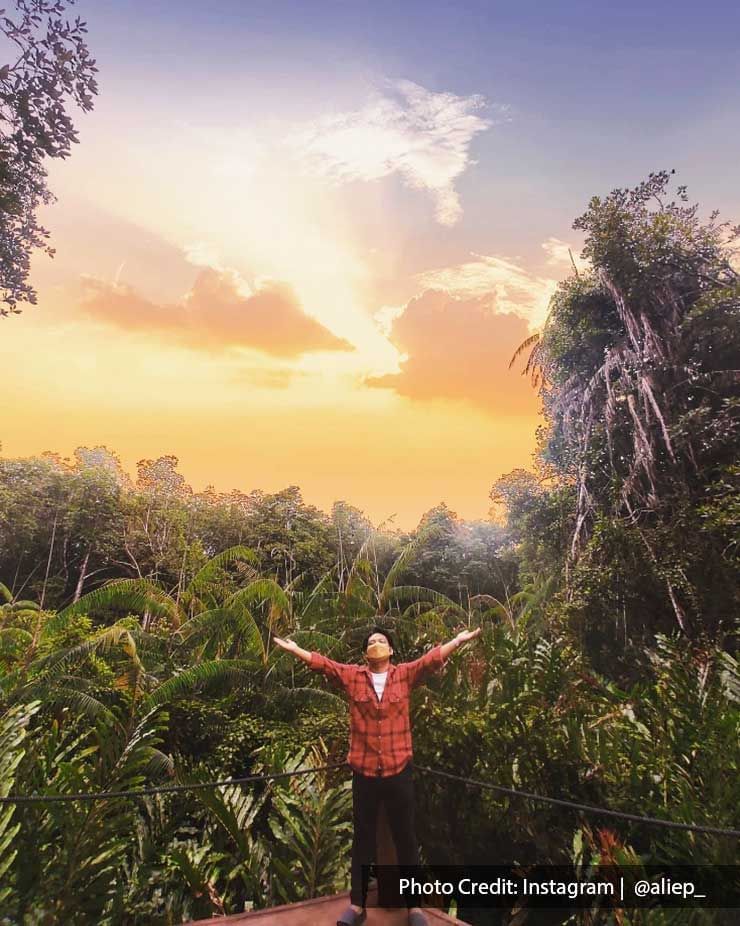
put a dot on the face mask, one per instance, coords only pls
(378, 651)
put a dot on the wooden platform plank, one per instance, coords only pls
(322, 911)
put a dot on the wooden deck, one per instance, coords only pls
(323, 911)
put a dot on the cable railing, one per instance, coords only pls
(21, 799)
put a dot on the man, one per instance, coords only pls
(380, 750)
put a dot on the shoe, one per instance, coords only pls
(351, 917)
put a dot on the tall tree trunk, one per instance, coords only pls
(48, 561)
(81, 579)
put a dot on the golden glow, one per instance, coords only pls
(213, 300)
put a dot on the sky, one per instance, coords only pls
(298, 243)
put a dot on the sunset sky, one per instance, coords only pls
(299, 242)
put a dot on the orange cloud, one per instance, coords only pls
(219, 312)
(459, 349)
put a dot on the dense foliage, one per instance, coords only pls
(136, 623)
(638, 361)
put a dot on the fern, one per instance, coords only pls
(310, 823)
(73, 851)
(13, 726)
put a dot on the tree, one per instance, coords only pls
(638, 357)
(61, 522)
(459, 559)
(92, 529)
(156, 521)
(293, 538)
(537, 511)
(352, 531)
(52, 69)
(34, 497)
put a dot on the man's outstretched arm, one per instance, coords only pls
(457, 641)
(338, 672)
(290, 647)
(436, 657)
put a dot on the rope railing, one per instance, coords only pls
(161, 789)
(248, 779)
(587, 808)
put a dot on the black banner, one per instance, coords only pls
(558, 887)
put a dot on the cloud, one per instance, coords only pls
(385, 316)
(459, 349)
(89, 235)
(507, 286)
(559, 253)
(421, 135)
(219, 312)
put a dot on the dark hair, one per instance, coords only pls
(385, 633)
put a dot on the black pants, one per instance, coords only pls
(396, 792)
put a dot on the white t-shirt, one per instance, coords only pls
(379, 683)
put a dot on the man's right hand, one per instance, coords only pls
(290, 647)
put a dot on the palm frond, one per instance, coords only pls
(206, 575)
(419, 594)
(259, 592)
(15, 635)
(216, 622)
(402, 562)
(300, 698)
(317, 593)
(134, 595)
(526, 343)
(105, 641)
(198, 677)
(81, 702)
(24, 604)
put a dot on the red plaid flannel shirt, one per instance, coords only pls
(380, 731)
